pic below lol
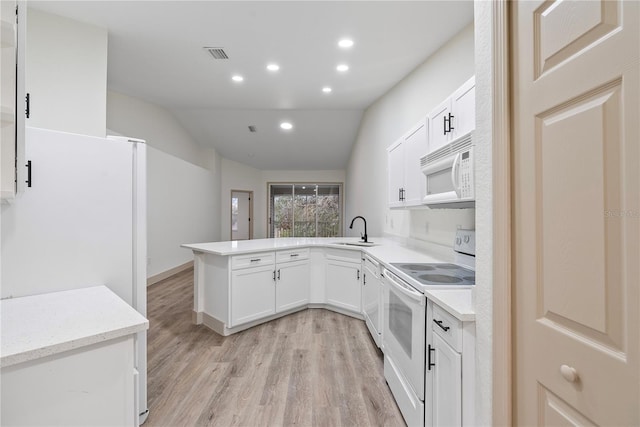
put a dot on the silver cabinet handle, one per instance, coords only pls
(294, 255)
(255, 260)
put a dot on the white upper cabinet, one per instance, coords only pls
(463, 106)
(454, 117)
(438, 119)
(415, 146)
(395, 156)
(12, 117)
(407, 185)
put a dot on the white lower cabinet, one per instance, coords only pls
(450, 374)
(447, 383)
(372, 298)
(264, 284)
(342, 280)
(252, 294)
(92, 385)
(292, 285)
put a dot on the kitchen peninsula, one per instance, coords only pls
(239, 284)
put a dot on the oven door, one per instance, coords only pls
(404, 330)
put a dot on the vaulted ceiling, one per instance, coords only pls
(156, 54)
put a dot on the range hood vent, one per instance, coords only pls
(217, 52)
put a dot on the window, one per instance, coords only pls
(305, 210)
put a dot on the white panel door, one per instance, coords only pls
(415, 183)
(576, 212)
(447, 384)
(252, 294)
(395, 163)
(463, 107)
(292, 285)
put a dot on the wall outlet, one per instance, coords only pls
(148, 262)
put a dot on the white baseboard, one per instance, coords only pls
(175, 270)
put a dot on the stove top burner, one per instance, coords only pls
(440, 278)
(439, 274)
(417, 267)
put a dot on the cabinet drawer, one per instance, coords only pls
(447, 327)
(292, 255)
(252, 260)
(347, 255)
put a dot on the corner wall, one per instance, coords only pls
(183, 181)
(66, 74)
(387, 120)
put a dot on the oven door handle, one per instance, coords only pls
(404, 288)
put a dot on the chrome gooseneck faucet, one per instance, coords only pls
(364, 237)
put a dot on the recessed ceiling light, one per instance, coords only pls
(286, 125)
(273, 67)
(237, 78)
(342, 68)
(345, 43)
(326, 89)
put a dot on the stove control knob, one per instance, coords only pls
(458, 241)
(466, 239)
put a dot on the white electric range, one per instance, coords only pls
(404, 332)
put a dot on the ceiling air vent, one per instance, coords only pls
(217, 52)
(252, 128)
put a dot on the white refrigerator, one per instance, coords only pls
(80, 223)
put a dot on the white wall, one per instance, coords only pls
(483, 17)
(388, 119)
(183, 181)
(66, 74)
(237, 176)
(183, 207)
(135, 117)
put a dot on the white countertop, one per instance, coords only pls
(41, 325)
(458, 302)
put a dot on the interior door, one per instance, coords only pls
(241, 215)
(576, 212)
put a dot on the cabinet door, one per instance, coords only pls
(371, 298)
(252, 294)
(438, 135)
(395, 155)
(447, 384)
(342, 285)
(463, 108)
(415, 183)
(292, 285)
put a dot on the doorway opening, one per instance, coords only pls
(241, 214)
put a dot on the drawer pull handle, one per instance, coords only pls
(439, 323)
(256, 260)
(430, 364)
(294, 255)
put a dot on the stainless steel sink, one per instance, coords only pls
(355, 243)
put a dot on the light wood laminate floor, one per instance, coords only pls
(311, 368)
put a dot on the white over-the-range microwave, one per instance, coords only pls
(450, 172)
